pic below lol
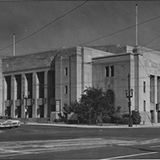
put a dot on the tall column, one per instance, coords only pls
(4, 95)
(35, 91)
(155, 99)
(61, 84)
(13, 96)
(136, 88)
(46, 109)
(24, 93)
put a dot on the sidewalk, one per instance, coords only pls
(95, 126)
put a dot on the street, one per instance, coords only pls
(50, 142)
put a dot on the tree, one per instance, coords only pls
(76, 108)
(136, 118)
(94, 102)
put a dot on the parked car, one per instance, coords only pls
(9, 123)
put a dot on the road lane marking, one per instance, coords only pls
(155, 146)
(13, 148)
(131, 155)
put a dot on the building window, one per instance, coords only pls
(112, 71)
(144, 105)
(144, 87)
(152, 88)
(109, 71)
(66, 71)
(66, 90)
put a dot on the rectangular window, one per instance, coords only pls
(152, 88)
(144, 105)
(144, 87)
(112, 71)
(66, 71)
(107, 71)
(66, 90)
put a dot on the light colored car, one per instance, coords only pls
(10, 123)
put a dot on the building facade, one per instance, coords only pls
(37, 86)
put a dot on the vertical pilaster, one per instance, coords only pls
(1, 88)
(61, 84)
(13, 96)
(155, 99)
(24, 93)
(136, 88)
(4, 95)
(46, 109)
(35, 91)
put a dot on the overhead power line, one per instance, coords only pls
(55, 20)
(151, 40)
(111, 34)
(122, 30)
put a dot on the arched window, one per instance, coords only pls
(111, 97)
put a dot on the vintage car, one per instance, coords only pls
(9, 123)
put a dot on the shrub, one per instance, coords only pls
(106, 119)
(136, 118)
(126, 115)
(124, 121)
(71, 121)
(116, 117)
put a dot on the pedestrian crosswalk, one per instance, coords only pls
(14, 148)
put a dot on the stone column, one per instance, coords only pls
(35, 91)
(46, 109)
(4, 96)
(155, 100)
(24, 93)
(13, 95)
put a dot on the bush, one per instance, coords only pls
(124, 121)
(57, 120)
(72, 121)
(126, 115)
(136, 118)
(106, 119)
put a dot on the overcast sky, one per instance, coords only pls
(91, 21)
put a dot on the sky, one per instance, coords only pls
(97, 22)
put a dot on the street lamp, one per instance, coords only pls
(129, 95)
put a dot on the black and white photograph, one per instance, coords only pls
(79, 79)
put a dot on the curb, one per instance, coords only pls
(92, 126)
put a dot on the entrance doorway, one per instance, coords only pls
(111, 97)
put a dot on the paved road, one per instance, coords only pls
(49, 142)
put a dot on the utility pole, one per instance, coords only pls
(129, 95)
(136, 25)
(14, 44)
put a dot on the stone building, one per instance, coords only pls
(40, 84)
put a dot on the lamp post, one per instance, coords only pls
(129, 95)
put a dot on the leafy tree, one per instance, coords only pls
(136, 118)
(94, 102)
(76, 108)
